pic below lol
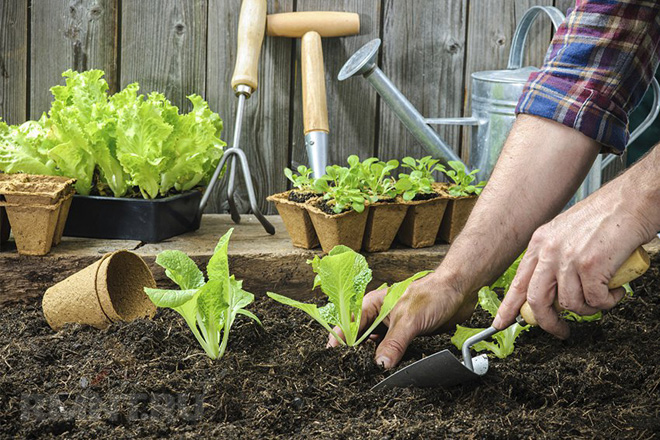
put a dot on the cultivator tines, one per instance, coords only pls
(251, 29)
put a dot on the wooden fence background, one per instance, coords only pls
(430, 48)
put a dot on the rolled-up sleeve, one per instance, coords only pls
(597, 69)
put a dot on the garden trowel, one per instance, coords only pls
(443, 369)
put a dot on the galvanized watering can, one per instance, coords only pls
(495, 94)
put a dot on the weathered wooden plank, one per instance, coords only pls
(564, 5)
(423, 54)
(351, 104)
(163, 47)
(491, 25)
(263, 261)
(13, 61)
(70, 34)
(265, 134)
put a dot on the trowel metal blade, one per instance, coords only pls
(441, 369)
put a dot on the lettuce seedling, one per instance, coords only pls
(343, 276)
(375, 178)
(420, 179)
(341, 187)
(463, 185)
(503, 342)
(303, 181)
(209, 308)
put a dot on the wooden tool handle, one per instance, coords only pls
(251, 28)
(634, 267)
(315, 107)
(327, 24)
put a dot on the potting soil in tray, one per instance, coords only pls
(150, 379)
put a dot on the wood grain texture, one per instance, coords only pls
(163, 47)
(265, 262)
(491, 25)
(13, 61)
(426, 65)
(352, 103)
(265, 134)
(70, 34)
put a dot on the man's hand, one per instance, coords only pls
(572, 258)
(428, 306)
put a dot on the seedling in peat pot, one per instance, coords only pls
(209, 308)
(343, 276)
(375, 178)
(420, 179)
(341, 189)
(463, 181)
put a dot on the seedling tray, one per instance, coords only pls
(150, 221)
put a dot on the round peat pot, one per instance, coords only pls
(296, 221)
(110, 290)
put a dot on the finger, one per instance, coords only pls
(395, 343)
(334, 342)
(517, 294)
(541, 297)
(570, 294)
(597, 295)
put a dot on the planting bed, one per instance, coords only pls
(150, 379)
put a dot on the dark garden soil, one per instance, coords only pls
(301, 197)
(425, 196)
(150, 379)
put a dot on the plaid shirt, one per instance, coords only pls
(597, 68)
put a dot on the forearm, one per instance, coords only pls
(540, 168)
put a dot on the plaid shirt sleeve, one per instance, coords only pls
(597, 69)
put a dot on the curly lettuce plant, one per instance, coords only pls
(463, 182)
(123, 144)
(420, 179)
(375, 177)
(343, 276)
(208, 307)
(341, 189)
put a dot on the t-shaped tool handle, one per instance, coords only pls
(631, 269)
(251, 28)
(325, 23)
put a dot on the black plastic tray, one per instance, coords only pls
(150, 221)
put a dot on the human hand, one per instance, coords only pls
(428, 306)
(571, 260)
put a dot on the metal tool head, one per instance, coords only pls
(441, 369)
(316, 143)
(362, 61)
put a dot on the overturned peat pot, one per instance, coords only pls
(150, 379)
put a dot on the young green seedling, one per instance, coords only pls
(503, 342)
(420, 179)
(209, 308)
(303, 181)
(463, 185)
(375, 178)
(343, 276)
(341, 187)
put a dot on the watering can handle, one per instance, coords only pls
(524, 25)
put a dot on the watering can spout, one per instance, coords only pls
(363, 62)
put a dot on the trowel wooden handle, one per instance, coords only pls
(326, 23)
(631, 269)
(315, 107)
(251, 28)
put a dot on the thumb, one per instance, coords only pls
(394, 345)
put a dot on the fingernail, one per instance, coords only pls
(383, 361)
